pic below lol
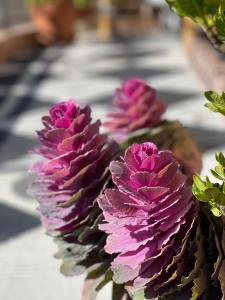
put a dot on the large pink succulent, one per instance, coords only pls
(139, 107)
(148, 217)
(73, 172)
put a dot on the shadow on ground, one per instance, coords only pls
(207, 139)
(14, 222)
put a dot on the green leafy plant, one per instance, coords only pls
(209, 14)
(213, 194)
(212, 197)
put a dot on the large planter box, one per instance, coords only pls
(208, 62)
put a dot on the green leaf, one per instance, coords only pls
(222, 197)
(216, 212)
(216, 175)
(199, 183)
(216, 102)
(220, 21)
(136, 294)
(219, 169)
(190, 8)
(220, 158)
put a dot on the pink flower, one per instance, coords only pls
(74, 169)
(148, 217)
(139, 107)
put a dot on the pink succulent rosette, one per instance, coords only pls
(139, 107)
(148, 217)
(72, 173)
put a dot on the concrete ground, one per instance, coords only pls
(88, 71)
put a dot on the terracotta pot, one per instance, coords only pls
(54, 21)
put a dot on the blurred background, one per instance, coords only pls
(52, 50)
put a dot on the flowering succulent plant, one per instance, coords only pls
(149, 215)
(135, 220)
(139, 107)
(71, 175)
(140, 120)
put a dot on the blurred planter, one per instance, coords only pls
(14, 38)
(105, 19)
(189, 31)
(54, 21)
(208, 63)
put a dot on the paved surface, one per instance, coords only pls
(89, 72)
